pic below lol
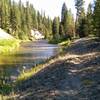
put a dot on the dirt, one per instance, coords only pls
(74, 76)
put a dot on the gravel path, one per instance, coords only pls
(75, 76)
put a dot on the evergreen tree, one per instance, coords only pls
(35, 20)
(0, 13)
(83, 28)
(6, 13)
(97, 18)
(13, 19)
(70, 24)
(67, 26)
(18, 19)
(79, 15)
(61, 31)
(55, 29)
(81, 21)
(64, 10)
(49, 28)
(28, 16)
(89, 20)
(64, 20)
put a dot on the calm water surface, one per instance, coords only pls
(28, 55)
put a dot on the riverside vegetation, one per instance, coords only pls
(7, 46)
(78, 68)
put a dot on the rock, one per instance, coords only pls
(4, 35)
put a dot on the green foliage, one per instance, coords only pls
(87, 82)
(82, 20)
(55, 29)
(63, 12)
(90, 20)
(7, 46)
(79, 7)
(65, 43)
(97, 18)
(70, 24)
(83, 28)
(61, 31)
(5, 89)
(67, 26)
(18, 20)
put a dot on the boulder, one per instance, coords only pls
(4, 35)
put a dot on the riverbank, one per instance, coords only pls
(8, 45)
(73, 75)
(27, 74)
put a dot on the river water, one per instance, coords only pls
(28, 55)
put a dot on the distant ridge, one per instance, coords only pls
(4, 35)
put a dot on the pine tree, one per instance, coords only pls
(89, 20)
(4, 12)
(55, 29)
(64, 20)
(82, 29)
(64, 10)
(49, 28)
(28, 16)
(13, 19)
(79, 7)
(1, 13)
(81, 21)
(18, 19)
(97, 18)
(70, 24)
(61, 31)
(35, 19)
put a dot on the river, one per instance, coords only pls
(28, 55)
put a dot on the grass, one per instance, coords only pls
(64, 43)
(88, 82)
(27, 74)
(8, 45)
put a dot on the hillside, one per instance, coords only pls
(4, 35)
(74, 75)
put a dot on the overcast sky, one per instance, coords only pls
(52, 8)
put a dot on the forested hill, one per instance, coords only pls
(18, 19)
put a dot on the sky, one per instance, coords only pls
(53, 8)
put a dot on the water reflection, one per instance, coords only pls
(28, 55)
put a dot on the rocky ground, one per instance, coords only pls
(4, 35)
(74, 76)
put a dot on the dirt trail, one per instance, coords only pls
(73, 76)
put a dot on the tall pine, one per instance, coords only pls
(97, 18)
(89, 20)
(55, 29)
(80, 18)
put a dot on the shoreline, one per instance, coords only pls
(8, 45)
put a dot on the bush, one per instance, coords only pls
(7, 46)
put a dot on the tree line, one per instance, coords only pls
(85, 24)
(18, 19)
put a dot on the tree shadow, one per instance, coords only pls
(84, 46)
(64, 80)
